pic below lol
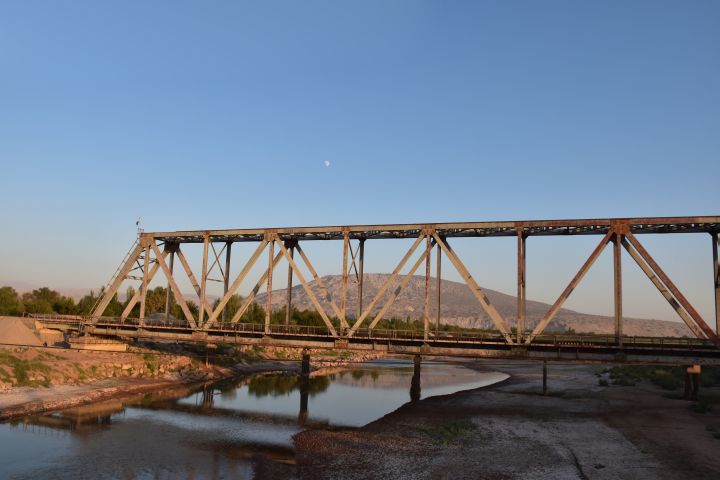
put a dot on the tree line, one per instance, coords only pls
(47, 301)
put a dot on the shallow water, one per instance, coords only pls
(235, 429)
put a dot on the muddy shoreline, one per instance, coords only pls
(508, 430)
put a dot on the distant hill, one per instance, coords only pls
(460, 307)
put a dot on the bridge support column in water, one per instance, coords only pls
(415, 383)
(304, 386)
(305, 365)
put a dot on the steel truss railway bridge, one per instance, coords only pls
(159, 251)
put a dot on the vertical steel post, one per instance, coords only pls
(268, 294)
(146, 263)
(288, 303)
(426, 311)
(716, 273)
(415, 388)
(617, 264)
(360, 280)
(226, 285)
(521, 301)
(439, 286)
(544, 377)
(203, 281)
(305, 365)
(343, 300)
(169, 292)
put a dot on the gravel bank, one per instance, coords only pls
(580, 430)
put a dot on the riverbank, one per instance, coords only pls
(24, 401)
(36, 380)
(579, 430)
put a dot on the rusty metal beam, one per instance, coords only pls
(521, 299)
(479, 293)
(540, 327)
(308, 290)
(386, 285)
(253, 293)
(321, 285)
(343, 299)
(191, 277)
(131, 302)
(617, 285)
(178, 294)
(145, 282)
(168, 293)
(439, 288)
(426, 311)
(226, 275)
(716, 277)
(118, 280)
(288, 302)
(662, 289)
(353, 261)
(236, 283)
(399, 288)
(268, 291)
(671, 286)
(361, 277)
(203, 284)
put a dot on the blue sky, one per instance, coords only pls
(199, 115)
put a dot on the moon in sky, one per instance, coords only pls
(327, 163)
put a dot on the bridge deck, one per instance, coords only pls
(582, 348)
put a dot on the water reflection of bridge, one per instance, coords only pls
(87, 418)
(262, 385)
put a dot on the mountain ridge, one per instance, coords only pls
(460, 307)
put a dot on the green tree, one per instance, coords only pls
(44, 300)
(232, 306)
(155, 300)
(87, 303)
(254, 314)
(177, 312)
(9, 301)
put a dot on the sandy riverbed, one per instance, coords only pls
(579, 430)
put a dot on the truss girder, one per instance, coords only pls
(622, 232)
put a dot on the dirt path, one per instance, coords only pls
(578, 431)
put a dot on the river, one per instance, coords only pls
(240, 428)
